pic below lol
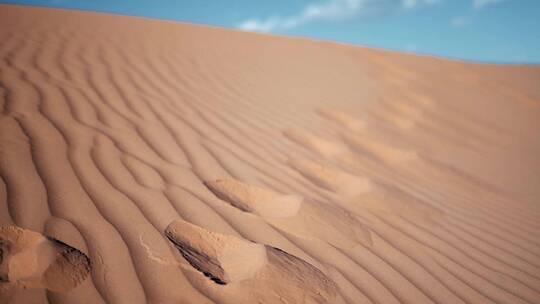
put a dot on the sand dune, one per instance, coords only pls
(146, 161)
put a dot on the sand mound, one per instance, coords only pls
(30, 260)
(247, 272)
(263, 202)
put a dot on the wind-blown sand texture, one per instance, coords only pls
(186, 164)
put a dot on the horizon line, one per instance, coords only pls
(273, 34)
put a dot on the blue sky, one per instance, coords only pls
(503, 31)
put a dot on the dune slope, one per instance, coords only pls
(185, 164)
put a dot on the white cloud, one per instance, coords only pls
(483, 3)
(325, 11)
(333, 9)
(460, 21)
(415, 3)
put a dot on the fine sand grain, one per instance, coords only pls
(146, 161)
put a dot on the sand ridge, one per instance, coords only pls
(150, 152)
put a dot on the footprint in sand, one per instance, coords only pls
(31, 260)
(379, 150)
(334, 180)
(385, 199)
(361, 144)
(362, 193)
(247, 272)
(400, 113)
(401, 116)
(290, 213)
(343, 119)
(323, 147)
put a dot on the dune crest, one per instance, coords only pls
(30, 260)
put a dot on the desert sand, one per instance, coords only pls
(147, 161)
